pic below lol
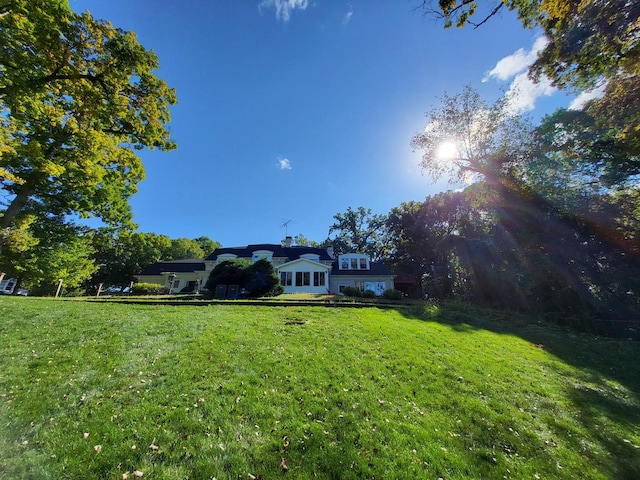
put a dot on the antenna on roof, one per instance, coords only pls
(285, 225)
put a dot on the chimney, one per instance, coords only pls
(330, 250)
(287, 241)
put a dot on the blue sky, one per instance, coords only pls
(294, 110)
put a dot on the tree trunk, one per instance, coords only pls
(16, 206)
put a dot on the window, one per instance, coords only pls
(303, 279)
(363, 264)
(341, 288)
(318, 279)
(354, 264)
(176, 283)
(344, 264)
(286, 278)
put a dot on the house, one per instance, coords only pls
(300, 269)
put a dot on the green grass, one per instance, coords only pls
(102, 390)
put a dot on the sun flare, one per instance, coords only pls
(447, 150)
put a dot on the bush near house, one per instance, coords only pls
(392, 294)
(351, 292)
(258, 279)
(148, 289)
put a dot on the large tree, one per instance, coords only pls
(123, 254)
(41, 253)
(556, 253)
(78, 98)
(360, 231)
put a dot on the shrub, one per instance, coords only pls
(351, 292)
(148, 289)
(369, 294)
(258, 279)
(392, 294)
(229, 272)
(262, 280)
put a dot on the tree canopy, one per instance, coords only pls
(78, 98)
(359, 231)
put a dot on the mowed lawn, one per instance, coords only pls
(103, 390)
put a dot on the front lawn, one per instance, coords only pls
(105, 390)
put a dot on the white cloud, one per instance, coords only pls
(580, 101)
(513, 64)
(284, 164)
(347, 16)
(284, 7)
(523, 93)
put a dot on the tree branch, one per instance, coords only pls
(486, 19)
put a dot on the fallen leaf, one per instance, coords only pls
(138, 474)
(97, 448)
(85, 435)
(283, 464)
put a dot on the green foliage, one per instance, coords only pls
(122, 254)
(392, 294)
(259, 279)
(78, 97)
(229, 272)
(351, 292)
(539, 237)
(206, 244)
(369, 294)
(148, 289)
(262, 280)
(48, 250)
(184, 248)
(360, 231)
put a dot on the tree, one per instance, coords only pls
(551, 255)
(258, 279)
(359, 231)
(44, 252)
(184, 248)
(206, 244)
(468, 139)
(575, 147)
(417, 232)
(228, 272)
(123, 254)
(78, 97)
(262, 280)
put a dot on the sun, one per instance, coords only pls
(447, 150)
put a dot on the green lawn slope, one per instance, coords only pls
(113, 391)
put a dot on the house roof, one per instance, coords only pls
(291, 253)
(375, 269)
(177, 266)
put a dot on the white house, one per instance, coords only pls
(300, 269)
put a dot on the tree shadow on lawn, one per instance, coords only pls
(607, 384)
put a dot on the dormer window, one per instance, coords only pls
(262, 255)
(353, 261)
